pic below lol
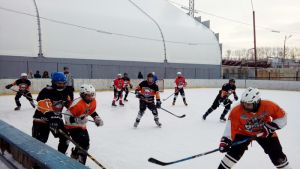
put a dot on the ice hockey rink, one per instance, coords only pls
(117, 145)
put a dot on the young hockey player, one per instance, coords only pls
(127, 85)
(146, 91)
(76, 118)
(47, 116)
(180, 83)
(222, 97)
(118, 85)
(253, 119)
(24, 86)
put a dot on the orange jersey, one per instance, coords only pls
(79, 109)
(251, 124)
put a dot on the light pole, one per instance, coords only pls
(40, 54)
(254, 35)
(285, 39)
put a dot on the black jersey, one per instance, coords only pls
(23, 84)
(149, 91)
(57, 98)
(126, 81)
(227, 90)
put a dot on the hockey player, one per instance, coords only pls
(24, 86)
(222, 97)
(127, 85)
(76, 118)
(146, 91)
(254, 119)
(180, 83)
(47, 116)
(118, 85)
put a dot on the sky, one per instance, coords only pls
(278, 15)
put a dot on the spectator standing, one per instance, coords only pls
(69, 82)
(37, 74)
(45, 74)
(140, 75)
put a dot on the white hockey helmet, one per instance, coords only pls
(153, 73)
(23, 74)
(178, 73)
(87, 89)
(252, 96)
(119, 75)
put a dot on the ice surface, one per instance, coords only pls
(117, 145)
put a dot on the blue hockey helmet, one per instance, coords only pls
(58, 80)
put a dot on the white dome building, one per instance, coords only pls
(105, 37)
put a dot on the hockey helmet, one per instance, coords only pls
(87, 92)
(250, 99)
(58, 80)
(178, 73)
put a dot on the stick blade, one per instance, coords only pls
(155, 161)
(182, 116)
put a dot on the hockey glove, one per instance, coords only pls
(236, 97)
(227, 102)
(98, 121)
(130, 85)
(158, 104)
(8, 86)
(269, 129)
(225, 144)
(55, 121)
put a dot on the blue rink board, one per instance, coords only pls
(42, 154)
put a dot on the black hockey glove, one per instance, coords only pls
(158, 104)
(236, 97)
(269, 129)
(227, 102)
(55, 121)
(225, 144)
(8, 86)
(130, 85)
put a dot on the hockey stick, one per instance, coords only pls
(25, 95)
(182, 116)
(71, 115)
(78, 146)
(155, 161)
(172, 94)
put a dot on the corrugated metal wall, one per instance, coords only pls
(12, 66)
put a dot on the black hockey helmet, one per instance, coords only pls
(231, 81)
(150, 75)
(150, 78)
(125, 74)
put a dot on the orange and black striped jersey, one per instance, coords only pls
(23, 84)
(50, 100)
(149, 91)
(251, 124)
(227, 90)
(79, 109)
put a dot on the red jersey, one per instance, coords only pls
(79, 109)
(251, 124)
(180, 82)
(119, 84)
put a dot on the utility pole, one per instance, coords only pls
(254, 35)
(284, 49)
(40, 54)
